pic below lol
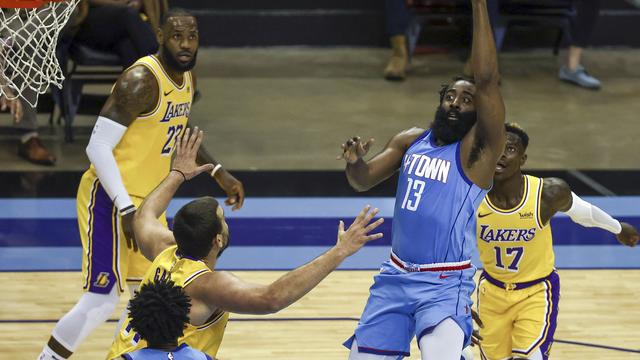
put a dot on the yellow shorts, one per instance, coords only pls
(106, 259)
(518, 322)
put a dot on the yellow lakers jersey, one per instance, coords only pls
(514, 245)
(183, 271)
(144, 152)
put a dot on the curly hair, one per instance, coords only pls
(445, 87)
(517, 130)
(159, 312)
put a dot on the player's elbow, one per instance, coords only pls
(359, 188)
(490, 77)
(358, 185)
(90, 150)
(271, 302)
(95, 150)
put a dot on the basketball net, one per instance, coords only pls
(29, 31)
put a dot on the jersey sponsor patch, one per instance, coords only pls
(526, 215)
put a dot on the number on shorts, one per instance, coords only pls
(514, 252)
(416, 188)
(172, 134)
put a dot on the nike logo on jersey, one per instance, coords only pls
(443, 276)
(483, 215)
(168, 92)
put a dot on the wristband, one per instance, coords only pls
(215, 169)
(128, 210)
(181, 173)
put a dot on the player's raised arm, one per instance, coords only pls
(557, 196)
(363, 175)
(483, 145)
(224, 291)
(227, 182)
(135, 92)
(152, 236)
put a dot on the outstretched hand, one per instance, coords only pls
(356, 236)
(186, 153)
(629, 235)
(233, 187)
(354, 149)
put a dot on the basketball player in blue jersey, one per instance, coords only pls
(519, 289)
(445, 172)
(159, 313)
(130, 150)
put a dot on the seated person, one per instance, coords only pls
(118, 26)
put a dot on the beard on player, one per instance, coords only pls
(174, 63)
(451, 126)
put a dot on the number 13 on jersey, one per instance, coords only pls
(413, 195)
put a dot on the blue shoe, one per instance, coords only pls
(579, 77)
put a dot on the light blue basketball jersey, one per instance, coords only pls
(182, 352)
(434, 218)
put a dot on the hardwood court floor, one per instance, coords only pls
(598, 307)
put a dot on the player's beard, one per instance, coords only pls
(449, 131)
(176, 65)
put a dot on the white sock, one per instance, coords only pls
(88, 313)
(443, 343)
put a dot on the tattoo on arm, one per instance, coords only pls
(135, 93)
(556, 196)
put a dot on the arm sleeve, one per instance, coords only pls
(586, 214)
(104, 138)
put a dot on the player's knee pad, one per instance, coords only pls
(88, 313)
(356, 355)
(445, 342)
(99, 306)
(536, 355)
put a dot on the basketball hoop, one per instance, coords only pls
(29, 31)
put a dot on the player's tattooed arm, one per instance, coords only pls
(556, 196)
(363, 175)
(136, 92)
(484, 144)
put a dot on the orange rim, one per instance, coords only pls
(25, 4)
